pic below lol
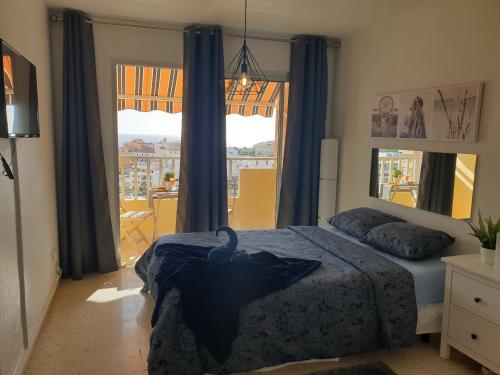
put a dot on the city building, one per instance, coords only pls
(264, 148)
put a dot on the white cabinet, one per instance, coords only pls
(471, 315)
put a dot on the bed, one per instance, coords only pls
(358, 300)
(428, 278)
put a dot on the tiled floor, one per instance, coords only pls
(100, 325)
(131, 251)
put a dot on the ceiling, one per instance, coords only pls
(333, 18)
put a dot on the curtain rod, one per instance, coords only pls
(180, 28)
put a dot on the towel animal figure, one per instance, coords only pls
(228, 253)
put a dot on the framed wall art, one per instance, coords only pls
(446, 113)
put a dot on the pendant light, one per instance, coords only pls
(244, 75)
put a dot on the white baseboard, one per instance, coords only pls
(34, 332)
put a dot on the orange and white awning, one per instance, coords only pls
(248, 105)
(147, 88)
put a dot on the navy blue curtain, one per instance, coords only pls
(85, 233)
(374, 172)
(202, 204)
(305, 128)
(437, 180)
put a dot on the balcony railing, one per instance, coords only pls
(138, 173)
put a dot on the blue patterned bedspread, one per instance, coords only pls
(355, 302)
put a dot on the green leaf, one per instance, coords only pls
(486, 231)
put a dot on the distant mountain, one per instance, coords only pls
(152, 138)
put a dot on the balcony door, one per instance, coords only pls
(149, 123)
(254, 139)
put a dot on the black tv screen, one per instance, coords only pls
(18, 95)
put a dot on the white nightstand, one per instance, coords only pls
(471, 310)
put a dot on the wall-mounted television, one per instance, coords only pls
(18, 95)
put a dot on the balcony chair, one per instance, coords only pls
(130, 222)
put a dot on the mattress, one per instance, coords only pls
(428, 274)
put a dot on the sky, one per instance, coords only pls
(241, 131)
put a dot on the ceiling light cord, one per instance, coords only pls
(245, 31)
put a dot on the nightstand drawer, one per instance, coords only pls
(477, 335)
(476, 297)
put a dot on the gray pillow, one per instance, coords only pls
(358, 221)
(407, 240)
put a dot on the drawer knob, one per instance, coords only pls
(473, 336)
(477, 299)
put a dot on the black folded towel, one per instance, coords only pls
(212, 294)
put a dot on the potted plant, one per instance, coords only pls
(396, 174)
(486, 232)
(169, 177)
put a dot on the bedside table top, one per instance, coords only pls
(473, 264)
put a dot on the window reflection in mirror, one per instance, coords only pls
(438, 182)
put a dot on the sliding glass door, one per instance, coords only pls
(149, 121)
(254, 151)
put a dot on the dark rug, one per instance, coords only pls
(375, 368)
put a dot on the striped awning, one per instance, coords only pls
(148, 88)
(8, 79)
(248, 105)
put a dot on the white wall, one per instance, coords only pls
(24, 24)
(437, 42)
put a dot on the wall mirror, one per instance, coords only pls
(434, 181)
